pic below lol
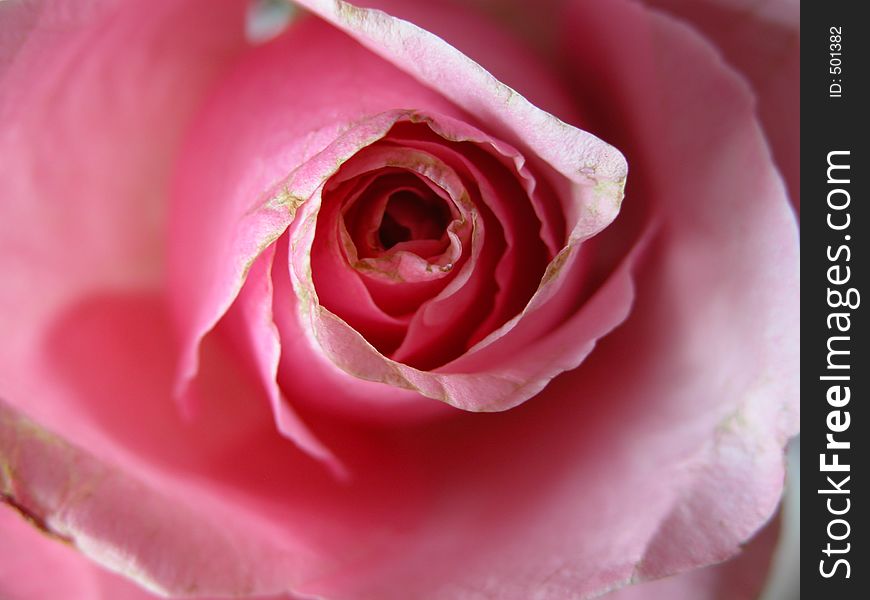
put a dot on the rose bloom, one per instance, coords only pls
(424, 301)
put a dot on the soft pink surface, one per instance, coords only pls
(762, 40)
(28, 555)
(36, 565)
(660, 453)
(94, 99)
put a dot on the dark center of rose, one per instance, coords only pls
(409, 216)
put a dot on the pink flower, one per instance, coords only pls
(360, 312)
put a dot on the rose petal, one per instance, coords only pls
(743, 224)
(27, 553)
(126, 526)
(597, 169)
(759, 38)
(741, 578)
(209, 257)
(762, 40)
(253, 330)
(93, 100)
(337, 268)
(211, 261)
(490, 384)
(521, 219)
(480, 35)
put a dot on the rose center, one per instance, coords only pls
(409, 216)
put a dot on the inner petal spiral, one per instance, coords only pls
(412, 217)
(439, 240)
(397, 212)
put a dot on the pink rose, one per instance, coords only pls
(255, 296)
